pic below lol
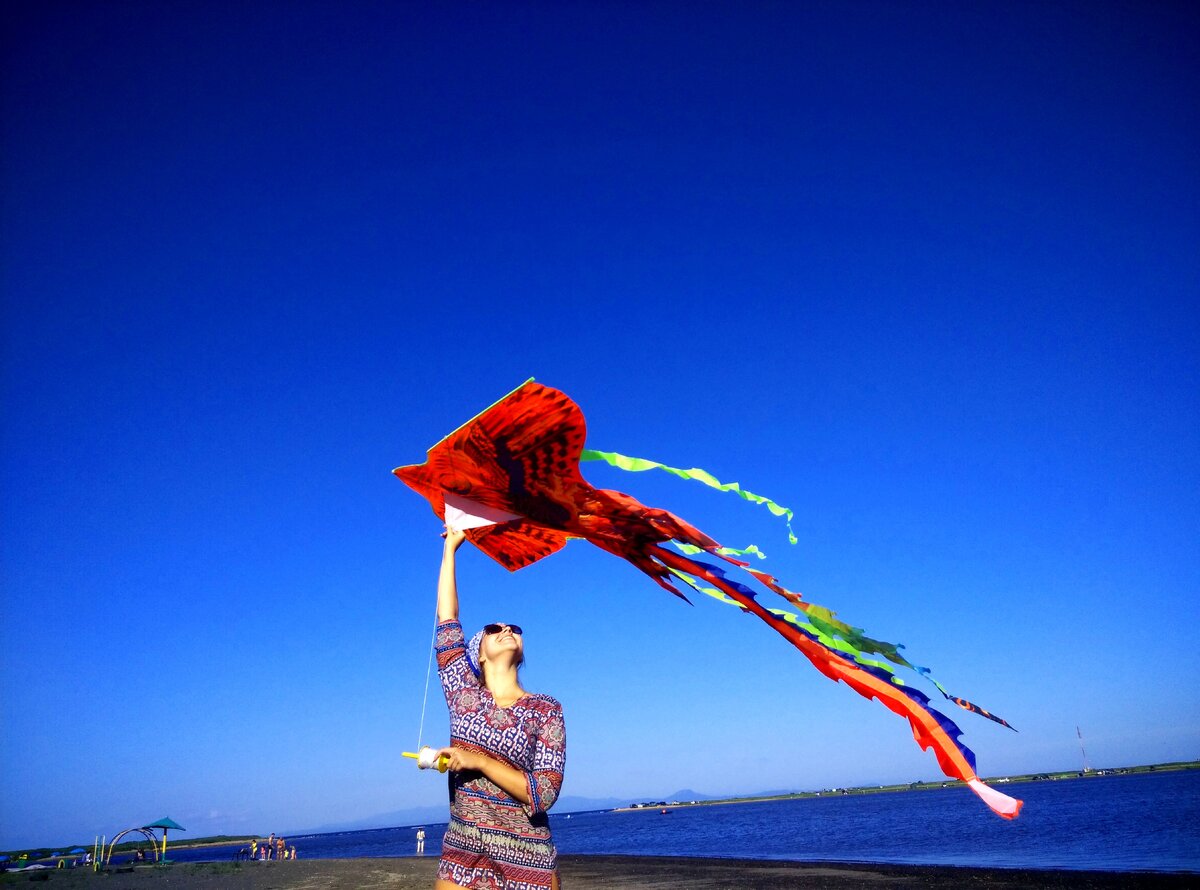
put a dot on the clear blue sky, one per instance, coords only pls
(926, 274)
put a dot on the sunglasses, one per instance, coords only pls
(496, 628)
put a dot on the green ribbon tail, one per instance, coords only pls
(824, 639)
(692, 550)
(638, 465)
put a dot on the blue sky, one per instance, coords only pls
(926, 274)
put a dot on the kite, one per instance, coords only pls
(510, 479)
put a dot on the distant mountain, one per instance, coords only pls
(411, 816)
(779, 792)
(689, 794)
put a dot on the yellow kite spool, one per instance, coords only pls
(427, 758)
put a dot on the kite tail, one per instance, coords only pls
(930, 728)
(826, 621)
(638, 465)
(821, 617)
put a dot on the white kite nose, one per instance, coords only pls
(463, 513)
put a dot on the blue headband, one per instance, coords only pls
(473, 652)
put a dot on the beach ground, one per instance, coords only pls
(587, 873)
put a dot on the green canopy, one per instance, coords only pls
(166, 823)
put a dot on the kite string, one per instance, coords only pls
(428, 672)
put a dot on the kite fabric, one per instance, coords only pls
(510, 479)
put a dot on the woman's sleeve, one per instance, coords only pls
(453, 669)
(549, 758)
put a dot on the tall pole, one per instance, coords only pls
(1086, 768)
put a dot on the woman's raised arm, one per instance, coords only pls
(447, 586)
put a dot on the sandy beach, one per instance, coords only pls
(588, 873)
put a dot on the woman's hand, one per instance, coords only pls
(454, 538)
(460, 759)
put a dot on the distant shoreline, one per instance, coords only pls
(129, 846)
(656, 806)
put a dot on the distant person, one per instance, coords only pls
(254, 849)
(421, 841)
(292, 852)
(280, 847)
(506, 755)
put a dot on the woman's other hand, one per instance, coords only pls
(460, 759)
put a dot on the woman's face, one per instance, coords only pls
(495, 645)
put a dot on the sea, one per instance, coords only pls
(1145, 822)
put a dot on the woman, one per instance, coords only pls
(506, 754)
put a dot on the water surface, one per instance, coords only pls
(1143, 822)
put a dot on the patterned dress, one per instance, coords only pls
(494, 841)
